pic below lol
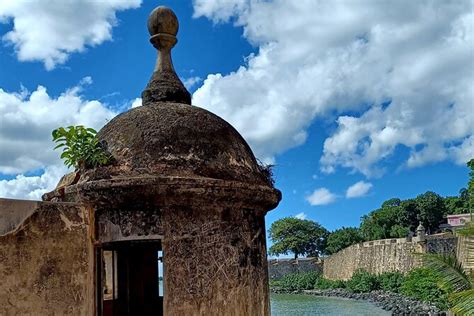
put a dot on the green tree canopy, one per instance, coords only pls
(342, 238)
(470, 185)
(431, 209)
(396, 218)
(456, 204)
(297, 236)
(389, 221)
(464, 202)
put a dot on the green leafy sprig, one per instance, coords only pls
(80, 147)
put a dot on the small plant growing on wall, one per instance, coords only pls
(267, 171)
(80, 147)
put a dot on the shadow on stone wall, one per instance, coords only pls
(277, 268)
(45, 259)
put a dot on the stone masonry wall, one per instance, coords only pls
(465, 253)
(385, 255)
(442, 244)
(277, 268)
(46, 259)
(376, 256)
(215, 261)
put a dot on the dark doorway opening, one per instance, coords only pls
(129, 279)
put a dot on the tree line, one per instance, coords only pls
(395, 218)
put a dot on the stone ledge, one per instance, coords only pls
(169, 190)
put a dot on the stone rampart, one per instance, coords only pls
(277, 268)
(386, 255)
(442, 244)
(465, 253)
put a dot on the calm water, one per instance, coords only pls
(302, 305)
(296, 305)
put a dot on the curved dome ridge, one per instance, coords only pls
(181, 140)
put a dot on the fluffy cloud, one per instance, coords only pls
(191, 82)
(301, 215)
(358, 189)
(402, 69)
(321, 196)
(27, 120)
(49, 31)
(32, 187)
(136, 103)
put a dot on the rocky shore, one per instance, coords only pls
(396, 303)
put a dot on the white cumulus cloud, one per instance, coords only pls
(301, 215)
(48, 31)
(32, 187)
(402, 69)
(136, 103)
(321, 196)
(358, 189)
(191, 82)
(27, 120)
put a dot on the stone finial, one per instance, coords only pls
(420, 227)
(420, 232)
(164, 85)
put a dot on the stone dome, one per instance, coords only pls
(169, 148)
(175, 139)
(166, 136)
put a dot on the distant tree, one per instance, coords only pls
(456, 204)
(464, 194)
(410, 219)
(379, 224)
(399, 231)
(342, 238)
(470, 186)
(301, 237)
(465, 201)
(396, 218)
(430, 208)
(391, 203)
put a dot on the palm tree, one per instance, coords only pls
(453, 277)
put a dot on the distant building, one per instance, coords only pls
(458, 220)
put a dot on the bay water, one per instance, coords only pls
(303, 305)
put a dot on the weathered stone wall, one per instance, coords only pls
(465, 253)
(442, 244)
(46, 259)
(213, 266)
(376, 256)
(385, 255)
(277, 268)
(131, 222)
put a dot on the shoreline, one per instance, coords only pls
(392, 302)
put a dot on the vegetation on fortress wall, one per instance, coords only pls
(80, 147)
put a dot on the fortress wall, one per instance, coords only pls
(465, 253)
(376, 256)
(46, 259)
(442, 244)
(277, 268)
(386, 255)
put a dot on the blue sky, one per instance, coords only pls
(346, 93)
